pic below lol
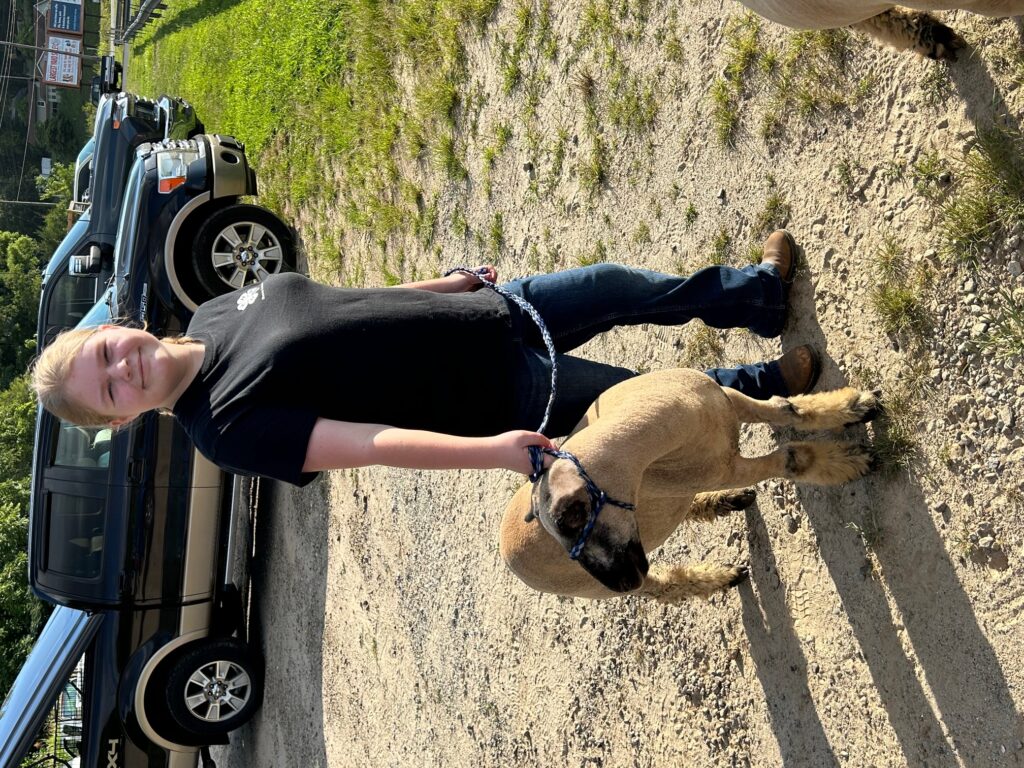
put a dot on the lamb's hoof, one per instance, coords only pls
(861, 460)
(740, 573)
(939, 42)
(734, 501)
(867, 407)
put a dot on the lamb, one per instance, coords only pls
(668, 443)
(904, 28)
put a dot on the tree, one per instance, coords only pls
(57, 187)
(19, 303)
(21, 614)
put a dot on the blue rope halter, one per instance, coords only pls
(598, 498)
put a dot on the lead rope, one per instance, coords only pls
(598, 498)
(529, 309)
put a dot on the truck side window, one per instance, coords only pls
(82, 446)
(70, 299)
(74, 535)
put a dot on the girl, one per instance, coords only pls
(289, 377)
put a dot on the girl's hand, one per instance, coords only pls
(510, 450)
(488, 272)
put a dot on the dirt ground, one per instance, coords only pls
(882, 623)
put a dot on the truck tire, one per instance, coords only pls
(240, 245)
(214, 687)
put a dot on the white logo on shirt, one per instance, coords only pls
(249, 297)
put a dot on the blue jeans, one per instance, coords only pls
(579, 304)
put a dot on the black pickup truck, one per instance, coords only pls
(130, 531)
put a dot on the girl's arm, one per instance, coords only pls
(340, 444)
(458, 282)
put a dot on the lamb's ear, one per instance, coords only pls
(530, 517)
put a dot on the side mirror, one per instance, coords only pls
(86, 265)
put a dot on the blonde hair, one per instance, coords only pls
(50, 373)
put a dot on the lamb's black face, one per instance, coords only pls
(613, 553)
(621, 568)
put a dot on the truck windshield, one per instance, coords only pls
(70, 300)
(127, 227)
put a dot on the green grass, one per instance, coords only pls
(905, 394)
(808, 80)
(642, 234)
(741, 37)
(721, 247)
(502, 135)
(322, 94)
(593, 171)
(690, 215)
(741, 44)
(846, 174)
(704, 349)
(725, 113)
(633, 103)
(510, 55)
(987, 199)
(496, 235)
(899, 295)
(929, 173)
(774, 215)
(598, 255)
(936, 85)
(1005, 335)
(459, 224)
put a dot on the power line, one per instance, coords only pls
(8, 61)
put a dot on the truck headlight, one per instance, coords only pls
(172, 168)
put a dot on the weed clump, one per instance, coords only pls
(898, 298)
(987, 200)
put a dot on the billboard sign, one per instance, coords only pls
(65, 16)
(58, 68)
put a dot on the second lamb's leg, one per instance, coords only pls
(673, 584)
(916, 31)
(823, 410)
(710, 506)
(820, 463)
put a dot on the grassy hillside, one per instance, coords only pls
(301, 80)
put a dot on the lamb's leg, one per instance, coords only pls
(822, 410)
(908, 30)
(673, 584)
(820, 463)
(707, 507)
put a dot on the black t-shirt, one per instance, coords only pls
(287, 351)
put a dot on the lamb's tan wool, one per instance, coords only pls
(905, 27)
(667, 442)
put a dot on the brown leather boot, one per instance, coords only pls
(800, 368)
(780, 251)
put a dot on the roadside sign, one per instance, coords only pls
(59, 69)
(65, 16)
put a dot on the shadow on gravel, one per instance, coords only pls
(982, 99)
(961, 670)
(288, 594)
(780, 663)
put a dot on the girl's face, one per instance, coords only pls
(122, 372)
